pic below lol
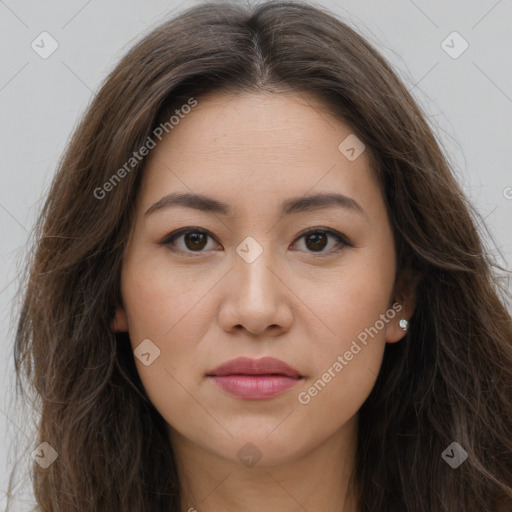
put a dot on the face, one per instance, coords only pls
(258, 269)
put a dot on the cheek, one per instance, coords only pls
(161, 299)
(347, 363)
(169, 307)
(354, 304)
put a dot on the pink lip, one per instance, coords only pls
(255, 379)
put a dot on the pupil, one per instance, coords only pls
(318, 239)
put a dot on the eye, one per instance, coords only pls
(194, 240)
(317, 239)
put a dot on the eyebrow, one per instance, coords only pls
(292, 205)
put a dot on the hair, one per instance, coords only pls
(449, 379)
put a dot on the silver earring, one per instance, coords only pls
(404, 324)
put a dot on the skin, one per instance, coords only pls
(298, 302)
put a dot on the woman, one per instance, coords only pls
(258, 286)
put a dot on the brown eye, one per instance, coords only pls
(316, 240)
(188, 240)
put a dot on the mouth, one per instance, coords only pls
(255, 379)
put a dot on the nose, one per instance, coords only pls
(256, 297)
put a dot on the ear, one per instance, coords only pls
(119, 322)
(404, 303)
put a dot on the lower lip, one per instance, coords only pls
(255, 387)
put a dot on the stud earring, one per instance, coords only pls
(404, 324)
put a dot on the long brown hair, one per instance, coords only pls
(449, 380)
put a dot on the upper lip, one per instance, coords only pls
(248, 366)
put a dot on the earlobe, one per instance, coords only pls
(397, 329)
(119, 323)
(405, 295)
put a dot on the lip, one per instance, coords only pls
(255, 379)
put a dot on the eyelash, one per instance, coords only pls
(341, 239)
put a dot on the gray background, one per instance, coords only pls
(468, 100)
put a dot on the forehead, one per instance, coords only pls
(268, 144)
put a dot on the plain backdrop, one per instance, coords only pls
(468, 100)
